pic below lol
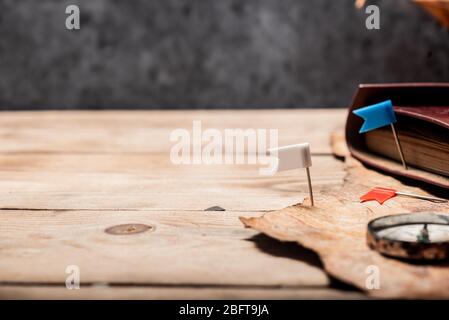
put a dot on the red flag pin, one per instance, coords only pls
(381, 195)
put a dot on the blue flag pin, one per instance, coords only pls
(377, 116)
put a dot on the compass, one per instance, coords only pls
(415, 236)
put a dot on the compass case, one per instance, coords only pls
(422, 111)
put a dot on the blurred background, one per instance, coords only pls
(157, 54)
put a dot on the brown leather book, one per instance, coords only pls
(425, 145)
(422, 111)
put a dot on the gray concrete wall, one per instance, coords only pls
(210, 53)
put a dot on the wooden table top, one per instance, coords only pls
(67, 176)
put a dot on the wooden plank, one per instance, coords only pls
(185, 247)
(151, 182)
(102, 169)
(170, 293)
(148, 131)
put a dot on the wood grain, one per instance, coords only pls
(150, 182)
(149, 131)
(184, 248)
(169, 293)
(65, 177)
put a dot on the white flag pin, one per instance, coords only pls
(294, 157)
